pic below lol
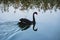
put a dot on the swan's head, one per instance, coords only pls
(35, 13)
(21, 19)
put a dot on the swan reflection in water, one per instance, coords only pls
(25, 23)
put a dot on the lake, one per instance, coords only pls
(47, 24)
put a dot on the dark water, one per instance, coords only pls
(29, 4)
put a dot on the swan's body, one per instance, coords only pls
(26, 22)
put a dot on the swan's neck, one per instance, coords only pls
(33, 18)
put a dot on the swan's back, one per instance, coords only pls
(24, 20)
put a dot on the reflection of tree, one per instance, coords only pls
(25, 4)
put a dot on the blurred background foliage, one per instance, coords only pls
(29, 4)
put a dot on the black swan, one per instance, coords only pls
(25, 23)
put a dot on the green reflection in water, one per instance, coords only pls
(29, 4)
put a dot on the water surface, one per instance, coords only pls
(47, 22)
